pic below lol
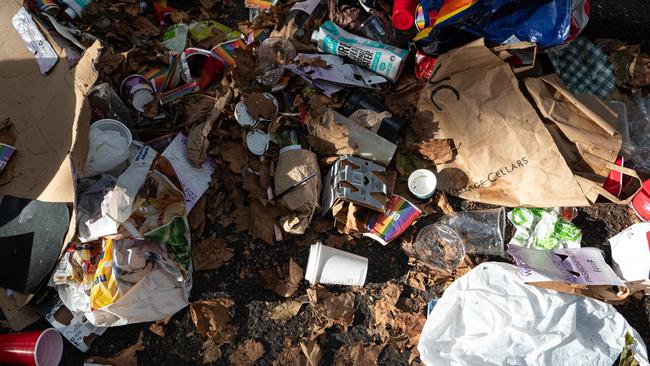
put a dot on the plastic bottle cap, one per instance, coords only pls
(403, 20)
(71, 13)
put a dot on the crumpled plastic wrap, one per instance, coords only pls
(490, 317)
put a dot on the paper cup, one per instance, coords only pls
(422, 183)
(331, 266)
(113, 125)
(137, 90)
(38, 348)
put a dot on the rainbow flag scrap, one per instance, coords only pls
(226, 51)
(399, 215)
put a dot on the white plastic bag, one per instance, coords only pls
(490, 317)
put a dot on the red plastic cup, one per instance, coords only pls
(38, 348)
(404, 14)
(641, 202)
(204, 66)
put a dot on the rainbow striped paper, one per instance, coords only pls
(226, 51)
(399, 215)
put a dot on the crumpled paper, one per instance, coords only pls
(489, 317)
(294, 166)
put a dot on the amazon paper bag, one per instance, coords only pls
(505, 155)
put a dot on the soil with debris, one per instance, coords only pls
(240, 279)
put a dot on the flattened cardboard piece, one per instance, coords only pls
(31, 233)
(505, 155)
(18, 314)
(50, 116)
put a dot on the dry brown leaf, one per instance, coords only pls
(358, 354)
(235, 154)
(242, 219)
(340, 309)
(247, 353)
(211, 253)
(329, 138)
(253, 187)
(417, 280)
(312, 61)
(285, 311)
(384, 307)
(291, 356)
(208, 4)
(158, 328)
(198, 140)
(283, 282)
(125, 357)
(197, 108)
(259, 106)
(262, 219)
(211, 317)
(317, 292)
(410, 324)
(243, 74)
(312, 352)
(439, 151)
(211, 351)
(196, 217)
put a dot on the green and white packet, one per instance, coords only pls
(541, 228)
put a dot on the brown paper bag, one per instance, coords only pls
(293, 167)
(582, 127)
(505, 155)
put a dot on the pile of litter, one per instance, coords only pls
(175, 162)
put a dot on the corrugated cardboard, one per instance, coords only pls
(50, 116)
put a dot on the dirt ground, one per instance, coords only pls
(181, 345)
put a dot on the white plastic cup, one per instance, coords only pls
(332, 266)
(108, 124)
(422, 183)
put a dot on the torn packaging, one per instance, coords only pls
(505, 153)
(50, 116)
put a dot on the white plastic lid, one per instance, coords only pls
(242, 116)
(257, 142)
